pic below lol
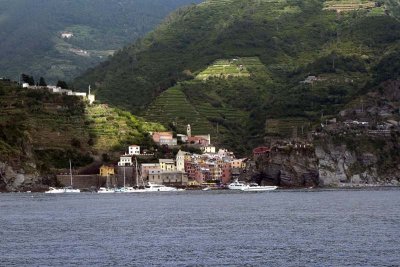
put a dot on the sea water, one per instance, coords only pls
(202, 228)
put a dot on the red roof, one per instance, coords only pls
(261, 150)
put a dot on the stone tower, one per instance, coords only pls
(91, 97)
(189, 130)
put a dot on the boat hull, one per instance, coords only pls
(62, 191)
(259, 188)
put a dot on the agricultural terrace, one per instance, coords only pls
(236, 67)
(348, 5)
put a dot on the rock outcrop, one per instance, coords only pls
(289, 167)
(17, 179)
(324, 165)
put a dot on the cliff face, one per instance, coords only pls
(326, 165)
(339, 165)
(291, 167)
(17, 179)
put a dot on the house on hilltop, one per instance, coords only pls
(67, 35)
(134, 150)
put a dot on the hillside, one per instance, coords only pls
(40, 132)
(228, 67)
(31, 41)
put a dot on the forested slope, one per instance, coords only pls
(30, 33)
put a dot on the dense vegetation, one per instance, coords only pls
(30, 33)
(48, 129)
(172, 74)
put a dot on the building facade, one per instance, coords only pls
(134, 150)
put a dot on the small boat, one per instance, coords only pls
(68, 189)
(236, 185)
(152, 187)
(105, 190)
(206, 188)
(53, 190)
(253, 187)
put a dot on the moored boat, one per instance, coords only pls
(68, 189)
(236, 185)
(105, 190)
(53, 190)
(253, 187)
(152, 187)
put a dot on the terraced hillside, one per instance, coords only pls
(352, 5)
(49, 128)
(307, 61)
(172, 106)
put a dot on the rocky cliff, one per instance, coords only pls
(328, 164)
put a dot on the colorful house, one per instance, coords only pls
(107, 170)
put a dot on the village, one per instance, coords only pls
(212, 168)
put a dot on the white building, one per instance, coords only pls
(180, 161)
(125, 160)
(79, 94)
(91, 97)
(134, 150)
(67, 35)
(208, 149)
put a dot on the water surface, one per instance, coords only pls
(281, 228)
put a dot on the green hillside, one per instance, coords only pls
(31, 41)
(236, 64)
(48, 129)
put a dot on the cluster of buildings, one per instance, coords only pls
(186, 169)
(168, 139)
(58, 90)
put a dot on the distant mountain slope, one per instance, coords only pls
(30, 33)
(314, 57)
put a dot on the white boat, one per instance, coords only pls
(236, 185)
(105, 190)
(53, 190)
(152, 187)
(253, 187)
(69, 189)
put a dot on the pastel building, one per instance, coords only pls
(164, 138)
(106, 170)
(146, 167)
(167, 164)
(226, 174)
(168, 177)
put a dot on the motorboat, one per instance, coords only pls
(53, 190)
(106, 190)
(236, 185)
(254, 187)
(152, 187)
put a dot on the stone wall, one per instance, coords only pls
(82, 181)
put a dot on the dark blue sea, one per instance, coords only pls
(202, 228)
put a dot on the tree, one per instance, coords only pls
(42, 82)
(62, 84)
(27, 79)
